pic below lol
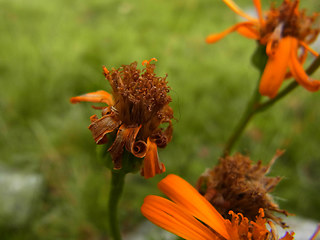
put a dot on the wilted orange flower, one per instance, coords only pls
(238, 184)
(284, 31)
(190, 216)
(136, 109)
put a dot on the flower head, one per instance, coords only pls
(192, 217)
(283, 30)
(239, 185)
(136, 110)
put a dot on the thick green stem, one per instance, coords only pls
(116, 188)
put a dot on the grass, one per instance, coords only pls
(52, 50)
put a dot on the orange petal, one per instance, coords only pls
(248, 32)
(288, 236)
(175, 219)
(275, 70)
(217, 36)
(234, 7)
(187, 197)
(257, 4)
(151, 163)
(307, 47)
(96, 97)
(298, 72)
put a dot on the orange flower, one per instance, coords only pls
(283, 30)
(136, 108)
(190, 216)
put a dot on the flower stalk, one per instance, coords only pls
(256, 106)
(116, 189)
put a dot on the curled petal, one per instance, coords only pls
(298, 72)
(162, 137)
(275, 70)
(94, 118)
(95, 97)
(187, 197)
(125, 136)
(175, 219)
(139, 149)
(100, 127)
(151, 163)
(244, 26)
(131, 134)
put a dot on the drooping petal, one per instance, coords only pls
(275, 70)
(249, 32)
(187, 197)
(124, 136)
(95, 97)
(257, 4)
(212, 38)
(175, 219)
(100, 127)
(298, 72)
(151, 163)
(234, 7)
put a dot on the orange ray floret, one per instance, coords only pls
(136, 108)
(180, 191)
(273, 29)
(95, 97)
(276, 68)
(175, 219)
(192, 217)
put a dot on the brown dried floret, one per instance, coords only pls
(239, 185)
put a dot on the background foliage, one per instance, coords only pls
(52, 187)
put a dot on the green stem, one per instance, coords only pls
(116, 189)
(247, 115)
(254, 106)
(259, 60)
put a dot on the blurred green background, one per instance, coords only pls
(52, 187)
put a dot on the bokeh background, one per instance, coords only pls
(52, 186)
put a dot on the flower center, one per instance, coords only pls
(139, 95)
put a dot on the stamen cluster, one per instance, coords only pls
(290, 22)
(239, 185)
